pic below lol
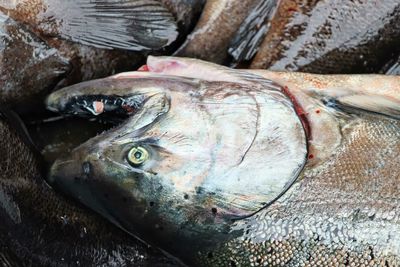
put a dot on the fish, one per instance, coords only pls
(215, 29)
(237, 167)
(72, 41)
(329, 37)
(129, 25)
(39, 227)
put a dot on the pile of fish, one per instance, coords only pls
(253, 133)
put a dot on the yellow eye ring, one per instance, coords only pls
(138, 155)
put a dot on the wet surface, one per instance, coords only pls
(42, 227)
(331, 36)
(29, 68)
(128, 25)
(216, 27)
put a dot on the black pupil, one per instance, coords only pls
(138, 154)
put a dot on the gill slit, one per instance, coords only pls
(257, 129)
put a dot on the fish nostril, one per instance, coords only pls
(86, 169)
(214, 211)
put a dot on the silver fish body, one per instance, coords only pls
(202, 185)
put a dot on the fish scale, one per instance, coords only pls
(353, 195)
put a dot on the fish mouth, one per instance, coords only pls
(115, 97)
(107, 107)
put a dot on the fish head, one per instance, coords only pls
(190, 157)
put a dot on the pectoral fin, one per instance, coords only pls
(370, 103)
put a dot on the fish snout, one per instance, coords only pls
(73, 177)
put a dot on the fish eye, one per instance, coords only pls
(138, 155)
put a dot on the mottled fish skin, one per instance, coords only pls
(331, 36)
(89, 63)
(343, 209)
(28, 66)
(251, 33)
(41, 228)
(216, 27)
(186, 12)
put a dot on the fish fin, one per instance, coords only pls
(134, 25)
(357, 92)
(370, 103)
(251, 33)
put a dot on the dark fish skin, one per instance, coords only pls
(331, 36)
(38, 227)
(38, 51)
(216, 27)
(91, 63)
(31, 65)
(186, 12)
(28, 66)
(134, 25)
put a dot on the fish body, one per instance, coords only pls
(330, 37)
(203, 160)
(216, 27)
(135, 25)
(186, 12)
